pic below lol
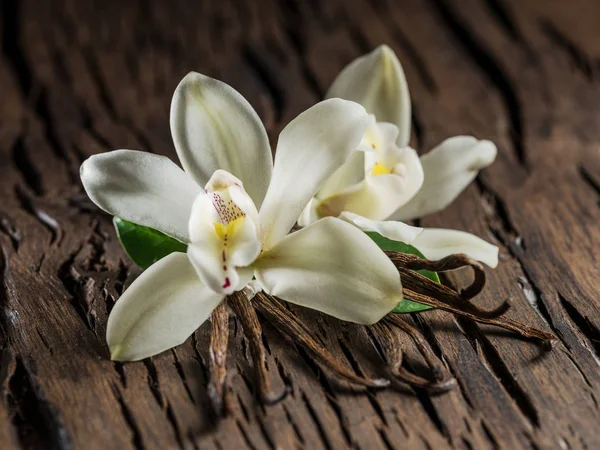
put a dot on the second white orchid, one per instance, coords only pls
(385, 181)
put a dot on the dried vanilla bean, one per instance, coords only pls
(548, 340)
(417, 283)
(246, 314)
(421, 289)
(441, 375)
(217, 387)
(440, 381)
(451, 262)
(292, 327)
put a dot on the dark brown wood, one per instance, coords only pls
(79, 78)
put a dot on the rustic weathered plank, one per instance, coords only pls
(80, 78)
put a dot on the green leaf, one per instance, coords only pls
(145, 245)
(405, 306)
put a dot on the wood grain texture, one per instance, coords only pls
(79, 78)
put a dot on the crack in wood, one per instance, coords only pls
(243, 408)
(488, 433)
(120, 369)
(385, 15)
(136, 435)
(81, 288)
(43, 112)
(504, 17)
(11, 44)
(427, 332)
(582, 374)
(330, 394)
(31, 207)
(5, 311)
(44, 341)
(291, 19)
(492, 359)
(37, 421)
(590, 181)
(285, 377)
(499, 221)
(170, 414)
(356, 367)
(317, 422)
(265, 433)
(108, 104)
(198, 357)
(101, 88)
(387, 442)
(430, 410)
(577, 57)
(24, 164)
(294, 425)
(245, 435)
(584, 325)
(153, 383)
(181, 374)
(417, 128)
(267, 78)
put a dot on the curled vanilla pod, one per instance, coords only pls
(440, 378)
(421, 289)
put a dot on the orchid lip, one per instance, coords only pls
(225, 233)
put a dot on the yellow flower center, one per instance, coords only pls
(224, 230)
(379, 169)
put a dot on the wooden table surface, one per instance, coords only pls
(79, 78)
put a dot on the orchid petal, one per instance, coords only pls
(310, 149)
(332, 267)
(160, 310)
(437, 243)
(396, 231)
(350, 173)
(213, 128)
(378, 196)
(377, 82)
(142, 188)
(449, 169)
(310, 214)
(371, 198)
(379, 136)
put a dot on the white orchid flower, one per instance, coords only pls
(385, 180)
(234, 209)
